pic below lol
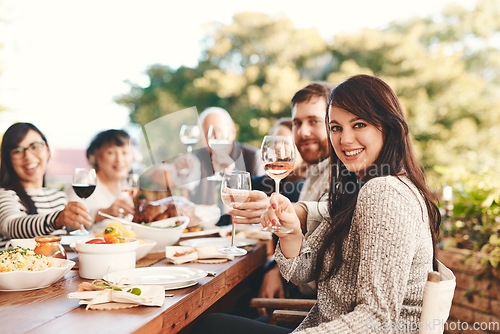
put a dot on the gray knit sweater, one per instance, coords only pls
(387, 253)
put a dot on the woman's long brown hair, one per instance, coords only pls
(373, 100)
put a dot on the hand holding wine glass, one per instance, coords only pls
(235, 188)
(278, 157)
(84, 183)
(189, 135)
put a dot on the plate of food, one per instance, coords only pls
(21, 269)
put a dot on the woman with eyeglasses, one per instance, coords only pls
(27, 209)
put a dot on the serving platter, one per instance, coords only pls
(33, 280)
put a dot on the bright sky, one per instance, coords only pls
(63, 61)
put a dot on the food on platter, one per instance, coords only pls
(24, 259)
(196, 228)
(173, 206)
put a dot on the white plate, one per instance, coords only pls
(179, 285)
(32, 280)
(205, 232)
(217, 242)
(169, 277)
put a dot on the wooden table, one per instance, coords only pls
(49, 310)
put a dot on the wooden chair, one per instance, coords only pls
(436, 305)
(284, 310)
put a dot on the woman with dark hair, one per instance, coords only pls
(110, 154)
(27, 209)
(375, 243)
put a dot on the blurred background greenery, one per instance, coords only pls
(445, 69)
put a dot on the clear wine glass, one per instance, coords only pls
(278, 157)
(218, 141)
(130, 185)
(190, 135)
(84, 182)
(235, 188)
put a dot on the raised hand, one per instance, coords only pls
(251, 210)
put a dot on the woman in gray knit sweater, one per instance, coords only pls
(374, 244)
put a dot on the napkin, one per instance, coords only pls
(183, 254)
(151, 295)
(180, 254)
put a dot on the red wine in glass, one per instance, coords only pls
(84, 182)
(83, 190)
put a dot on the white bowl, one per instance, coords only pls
(144, 249)
(164, 236)
(96, 260)
(24, 243)
(31, 280)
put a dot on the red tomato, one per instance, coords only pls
(96, 241)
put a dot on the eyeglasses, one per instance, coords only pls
(35, 148)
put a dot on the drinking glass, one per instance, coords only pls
(130, 185)
(235, 188)
(190, 135)
(84, 182)
(278, 157)
(218, 140)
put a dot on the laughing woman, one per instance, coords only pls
(371, 252)
(27, 209)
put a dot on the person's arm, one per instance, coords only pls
(387, 224)
(271, 287)
(16, 223)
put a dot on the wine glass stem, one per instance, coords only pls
(277, 186)
(189, 148)
(232, 232)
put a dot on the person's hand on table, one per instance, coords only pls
(76, 215)
(250, 211)
(272, 287)
(121, 207)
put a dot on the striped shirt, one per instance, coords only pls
(15, 223)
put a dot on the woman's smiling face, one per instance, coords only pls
(30, 165)
(356, 142)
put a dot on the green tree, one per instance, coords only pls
(445, 69)
(251, 67)
(446, 73)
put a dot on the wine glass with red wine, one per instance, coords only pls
(84, 182)
(278, 157)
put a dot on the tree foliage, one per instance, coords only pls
(445, 69)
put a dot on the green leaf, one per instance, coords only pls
(135, 291)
